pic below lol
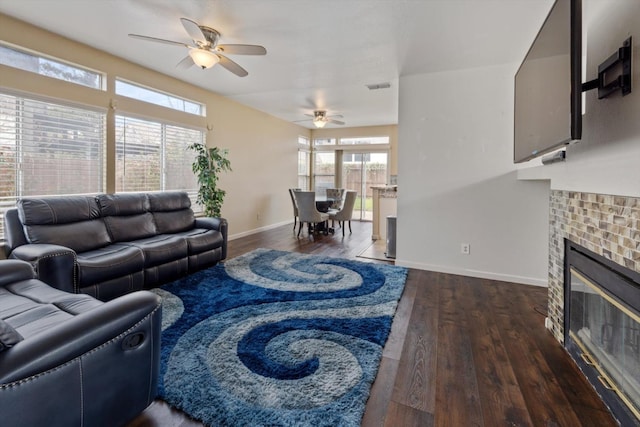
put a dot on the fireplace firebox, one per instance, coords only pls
(602, 328)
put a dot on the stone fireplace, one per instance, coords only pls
(600, 234)
(602, 328)
(604, 224)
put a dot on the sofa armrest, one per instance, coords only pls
(219, 224)
(12, 270)
(212, 223)
(136, 313)
(55, 265)
(13, 231)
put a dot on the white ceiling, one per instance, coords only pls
(320, 54)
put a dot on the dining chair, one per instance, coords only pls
(335, 194)
(295, 207)
(346, 212)
(307, 211)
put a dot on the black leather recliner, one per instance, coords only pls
(71, 360)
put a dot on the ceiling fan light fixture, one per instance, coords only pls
(320, 118)
(319, 122)
(203, 58)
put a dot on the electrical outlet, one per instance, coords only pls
(257, 217)
(547, 323)
(465, 248)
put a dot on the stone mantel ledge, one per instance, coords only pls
(535, 173)
(386, 191)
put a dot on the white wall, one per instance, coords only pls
(607, 159)
(457, 181)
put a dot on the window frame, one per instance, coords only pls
(163, 158)
(340, 150)
(366, 144)
(102, 77)
(202, 106)
(316, 174)
(29, 119)
(304, 149)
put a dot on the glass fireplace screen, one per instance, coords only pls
(608, 334)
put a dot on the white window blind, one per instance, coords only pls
(138, 145)
(304, 169)
(324, 171)
(154, 156)
(48, 148)
(304, 163)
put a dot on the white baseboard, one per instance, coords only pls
(474, 273)
(257, 230)
(429, 267)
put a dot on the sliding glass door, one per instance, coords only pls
(355, 164)
(360, 171)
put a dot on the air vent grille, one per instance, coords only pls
(377, 86)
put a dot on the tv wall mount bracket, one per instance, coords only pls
(619, 62)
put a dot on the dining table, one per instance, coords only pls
(323, 204)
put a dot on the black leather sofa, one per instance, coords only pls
(72, 360)
(111, 244)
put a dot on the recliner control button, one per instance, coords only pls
(132, 341)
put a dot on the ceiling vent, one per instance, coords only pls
(379, 86)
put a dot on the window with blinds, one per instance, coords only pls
(154, 96)
(34, 62)
(48, 148)
(153, 156)
(304, 163)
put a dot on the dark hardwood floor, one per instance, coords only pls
(462, 351)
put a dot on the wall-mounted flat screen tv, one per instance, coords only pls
(548, 85)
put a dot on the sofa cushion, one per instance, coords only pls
(161, 249)
(168, 201)
(115, 260)
(79, 236)
(123, 204)
(8, 336)
(130, 227)
(174, 222)
(201, 240)
(53, 210)
(30, 306)
(73, 221)
(171, 211)
(127, 216)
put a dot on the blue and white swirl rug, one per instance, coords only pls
(275, 338)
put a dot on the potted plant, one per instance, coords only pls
(207, 166)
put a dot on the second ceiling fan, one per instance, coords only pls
(320, 118)
(205, 51)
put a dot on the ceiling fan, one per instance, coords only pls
(320, 118)
(205, 52)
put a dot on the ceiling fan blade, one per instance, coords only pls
(311, 104)
(335, 116)
(194, 31)
(155, 39)
(232, 66)
(241, 49)
(336, 122)
(298, 121)
(310, 115)
(186, 62)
